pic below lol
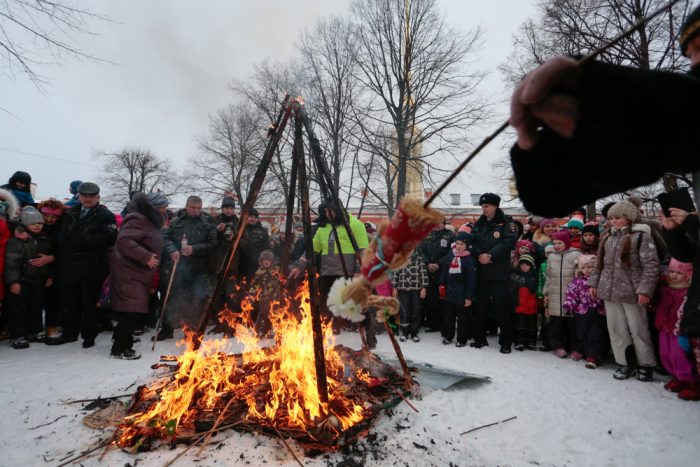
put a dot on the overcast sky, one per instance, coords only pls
(172, 62)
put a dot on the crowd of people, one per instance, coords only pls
(611, 288)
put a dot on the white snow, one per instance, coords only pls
(566, 414)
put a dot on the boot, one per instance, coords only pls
(690, 393)
(675, 385)
(645, 373)
(623, 372)
(52, 332)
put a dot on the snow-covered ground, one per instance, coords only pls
(566, 414)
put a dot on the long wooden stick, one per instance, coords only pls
(488, 425)
(86, 453)
(289, 448)
(583, 61)
(165, 303)
(408, 379)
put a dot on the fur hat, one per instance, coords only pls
(690, 29)
(625, 209)
(527, 259)
(586, 260)
(684, 268)
(547, 221)
(490, 198)
(267, 254)
(525, 243)
(31, 216)
(563, 236)
(464, 237)
(51, 207)
(590, 228)
(9, 207)
(575, 222)
(228, 202)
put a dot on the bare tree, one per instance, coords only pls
(229, 153)
(36, 33)
(420, 85)
(328, 66)
(582, 26)
(131, 170)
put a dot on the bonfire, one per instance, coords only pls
(268, 389)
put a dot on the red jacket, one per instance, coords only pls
(527, 302)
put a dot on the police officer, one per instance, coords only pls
(87, 232)
(494, 238)
(433, 250)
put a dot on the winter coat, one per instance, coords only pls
(4, 238)
(266, 284)
(24, 197)
(683, 245)
(614, 281)
(412, 277)
(579, 300)
(541, 279)
(83, 245)
(224, 243)
(139, 239)
(435, 247)
(666, 304)
(17, 256)
(325, 246)
(496, 237)
(561, 268)
(201, 236)
(459, 286)
(254, 241)
(524, 289)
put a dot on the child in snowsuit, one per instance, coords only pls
(265, 287)
(524, 283)
(410, 287)
(561, 266)
(669, 299)
(26, 280)
(541, 308)
(589, 313)
(625, 278)
(458, 277)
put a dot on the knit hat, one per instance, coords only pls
(157, 200)
(575, 222)
(490, 198)
(254, 213)
(625, 209)
(267, 254)
(73, 187)
(563, 236)
(467, 228)
(604, 211)
(525, 243)
(684, 268)
(31, 216)
(586, 260)
(228, 202)
(547, 221)
(579, 212)
(690, 29)
(464, 237)
(527, 259)
(590, 228)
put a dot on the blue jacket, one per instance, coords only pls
(460, 286)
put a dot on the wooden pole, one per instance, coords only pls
(319, 357)
(289, 223)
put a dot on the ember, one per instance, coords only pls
(266, 389)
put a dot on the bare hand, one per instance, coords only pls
(221, 227)
(533, 102)
(42, 260)
(153, 262)
(432, 267)
(643, 299)
(16, 288)
(467, 303)
(678, 215)
(394, 293)
(186, 250)
(294, 273)
(21, 235)
(49, 282)
(423, 294)
(667, 222)
(175, 256)
(546, 300)
(593, 292)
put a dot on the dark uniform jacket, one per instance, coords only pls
(436, 246)
(83, 245)
(496, 237)
(201, 236)
(17, 256)
(254, 241)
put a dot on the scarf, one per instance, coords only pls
(456, 264)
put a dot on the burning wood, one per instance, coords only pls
(271, 390)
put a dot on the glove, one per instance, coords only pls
(684, 342)
(442, 290)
